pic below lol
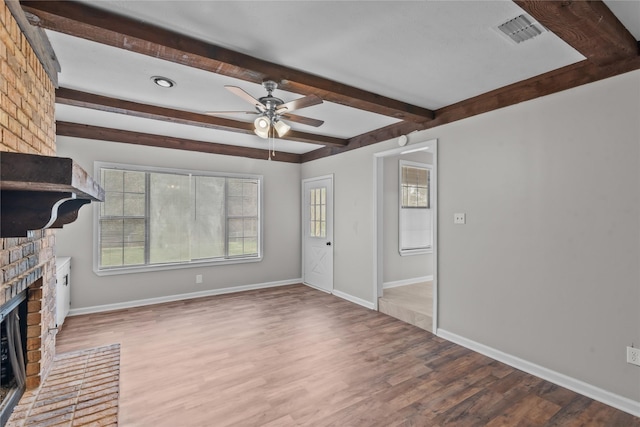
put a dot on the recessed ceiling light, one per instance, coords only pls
(163, 81)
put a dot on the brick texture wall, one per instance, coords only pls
(27, 125)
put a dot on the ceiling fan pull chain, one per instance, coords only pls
(273, 141)
(270, 141)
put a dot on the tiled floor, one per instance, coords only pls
(82, 389)
(412, 304)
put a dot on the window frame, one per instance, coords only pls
(98, 165)
(421, 250)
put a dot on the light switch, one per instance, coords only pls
(459, 218)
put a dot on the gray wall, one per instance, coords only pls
(547, 266)
(353, 216)
(396, 267)
(281, 228)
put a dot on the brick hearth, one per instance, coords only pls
(82, 389)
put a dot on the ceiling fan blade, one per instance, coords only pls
(297, 104)
(213, 113)
(303, 120)
(244, 95)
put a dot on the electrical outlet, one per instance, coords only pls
(633, 355)
(198, 278)
(459, 218)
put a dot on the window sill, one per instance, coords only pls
(421, 251)
(172, 266)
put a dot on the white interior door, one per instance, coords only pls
(317, 232)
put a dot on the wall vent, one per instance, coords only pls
(521, 28)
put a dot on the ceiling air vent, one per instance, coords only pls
(521, 28)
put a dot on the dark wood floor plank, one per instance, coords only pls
(294, 356)
(473, 411)
(531, 410)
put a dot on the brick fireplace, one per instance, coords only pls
(27, 125)
(25, 273)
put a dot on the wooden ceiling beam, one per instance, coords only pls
(104, 27)
(332, 145)
(588, 26)
(113, 105)
(554, 81)
(546, 84)
(137, 138)
(368, 138)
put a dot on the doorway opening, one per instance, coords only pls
(405, 233)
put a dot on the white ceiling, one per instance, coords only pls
(427, 53)
(628, 12)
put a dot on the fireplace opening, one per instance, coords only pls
(13, 333)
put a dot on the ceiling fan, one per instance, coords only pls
(272, 110)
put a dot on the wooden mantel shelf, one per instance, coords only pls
(38, 192)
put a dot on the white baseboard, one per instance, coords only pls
(355, 300)
(619, 402)
(170, 298)
(406, 282)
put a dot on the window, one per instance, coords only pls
(415, 216)
(155, 219)
(414, 183)
(318, 212)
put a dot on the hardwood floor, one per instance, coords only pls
(293, 355)
(410, 303)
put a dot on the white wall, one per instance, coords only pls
(281, 260)
(547, 267)
(400, 268)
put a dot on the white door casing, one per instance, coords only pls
(317, 232)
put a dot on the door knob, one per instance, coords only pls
(328, 243)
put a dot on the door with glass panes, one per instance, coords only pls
(317, 229)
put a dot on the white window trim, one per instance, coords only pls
(413, 251)
(178, 265)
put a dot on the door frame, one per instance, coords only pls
(378, 223)
(302, 225)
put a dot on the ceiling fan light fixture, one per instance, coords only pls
(262, 134)
(262, 127)
(282, 128)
